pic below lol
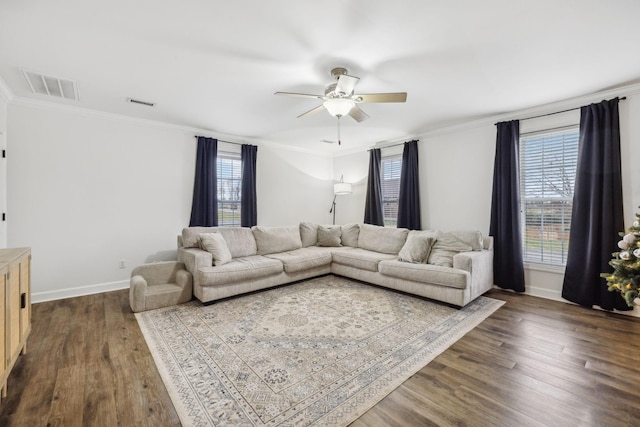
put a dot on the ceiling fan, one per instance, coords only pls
(340, 100)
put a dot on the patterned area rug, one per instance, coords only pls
(319, 352)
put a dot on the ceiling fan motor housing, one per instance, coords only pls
(338, 71)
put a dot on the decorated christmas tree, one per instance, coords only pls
(626, 266)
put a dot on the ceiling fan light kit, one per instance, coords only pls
(338, 107)
(340, 100)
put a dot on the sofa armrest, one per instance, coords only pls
(480, 265)
(184, 279)
(194, 259)
(158, 272)
(137, 290)
(487, 242)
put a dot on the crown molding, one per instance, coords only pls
(5, 92)
(550, 108)
(88, 112)
(576, 102)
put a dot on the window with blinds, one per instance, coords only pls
(548, 163)
(229, 176)
(391, 168)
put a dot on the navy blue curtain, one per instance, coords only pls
(373, 203)
(249, 207)
(597, 214)
(204, 208)
(409, 199)
(508, 268)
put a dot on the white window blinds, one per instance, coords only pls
(229, 174)
(547, 175)
(391, 168)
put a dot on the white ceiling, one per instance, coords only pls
(214, 65)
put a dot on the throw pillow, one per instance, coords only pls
(350, 234)
(329, 236)
(215, 244)
(308, 234)
(416, 249)
(445, 247)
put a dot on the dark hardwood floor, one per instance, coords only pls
(534, 362)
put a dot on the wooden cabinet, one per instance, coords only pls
(15, 308)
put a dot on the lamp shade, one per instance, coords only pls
(342, 188)
(338, 107)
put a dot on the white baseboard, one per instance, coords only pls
(552, 294)
(556, 295)
(77, 292)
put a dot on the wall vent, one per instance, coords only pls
(137, 101)
(51, 86)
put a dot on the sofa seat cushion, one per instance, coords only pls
(425, 273)
(302, 259)
(239, 269)
(361, 258)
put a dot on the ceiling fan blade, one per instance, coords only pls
(357, 114)
(313, 110)
(299, 95)
(346, 84)
(382, 97)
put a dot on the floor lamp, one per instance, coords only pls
(339, 189)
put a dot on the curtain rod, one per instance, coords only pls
(219, 140)
(558, 112)
(393, 145)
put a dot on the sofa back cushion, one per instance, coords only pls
(445, 247)
(271, 240)
(470, 237)
(191, 235)
(240, 240)
(381, 239)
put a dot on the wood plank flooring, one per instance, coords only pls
(534, 362)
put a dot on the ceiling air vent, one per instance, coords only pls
(51, 86)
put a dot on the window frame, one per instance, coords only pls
(554, 211)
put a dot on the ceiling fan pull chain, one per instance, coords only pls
(339, 142)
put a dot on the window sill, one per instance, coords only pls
(549, 268)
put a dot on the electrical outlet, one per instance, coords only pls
(122, 264)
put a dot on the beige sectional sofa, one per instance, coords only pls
(454, 267)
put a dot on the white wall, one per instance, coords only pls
(293, 186)
(87, 190)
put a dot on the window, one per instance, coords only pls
(229, 168)
(391, 167)
(548, 163)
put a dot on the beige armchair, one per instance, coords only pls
(159, 285)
